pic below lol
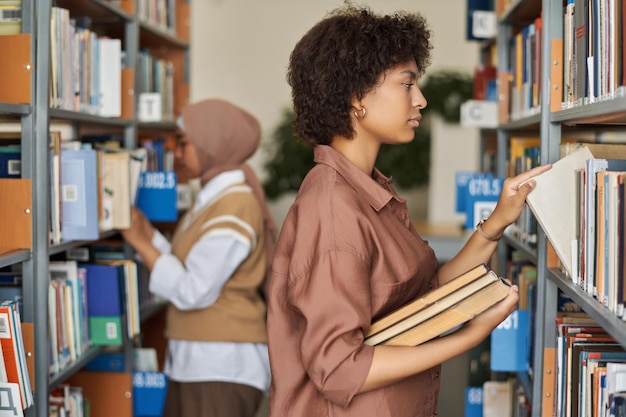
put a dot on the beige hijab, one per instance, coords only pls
(225, 137)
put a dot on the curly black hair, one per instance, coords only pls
(342, 57)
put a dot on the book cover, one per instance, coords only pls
(105, 284)
(498, 398)
(453, 317)
(554, 206)
(116, 191)
(440, 310)
(13, 351)
(428, 299)
(110, 77)
(10, 406)
(79, 195)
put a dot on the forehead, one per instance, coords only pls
(407, 68)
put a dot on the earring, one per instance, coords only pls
(362, 115)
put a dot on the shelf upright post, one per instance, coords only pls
(30, 268)
(503, 40)
(131, 46)
(41, 109)
(545, 332)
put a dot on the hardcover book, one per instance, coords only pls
(440, 310)
(553, 202)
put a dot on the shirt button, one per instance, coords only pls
(430, 286)
(436, 375)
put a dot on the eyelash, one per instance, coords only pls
(408, 85)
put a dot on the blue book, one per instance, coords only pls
(157, 196)
(103, 290)
(79, 195)
(107, 362)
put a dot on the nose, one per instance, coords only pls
(419, 101)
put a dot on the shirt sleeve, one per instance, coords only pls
(198, 283)
(160, 242)
(332, 348)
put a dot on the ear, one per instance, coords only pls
(356, 103)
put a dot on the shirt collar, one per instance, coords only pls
(376, 189)
(218, 184)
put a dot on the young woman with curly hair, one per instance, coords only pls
(348, 253)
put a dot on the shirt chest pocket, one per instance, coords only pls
(402, 271)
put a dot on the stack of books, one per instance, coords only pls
(441, 310)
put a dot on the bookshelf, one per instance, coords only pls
(556, 121)
(26, 102)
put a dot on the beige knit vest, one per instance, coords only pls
(238, 315)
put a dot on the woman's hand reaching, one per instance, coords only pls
(513, 197)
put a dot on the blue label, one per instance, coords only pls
(481, 197)
(474, 402)
(510, 343)
(157, 196)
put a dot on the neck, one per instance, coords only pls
(360, 154)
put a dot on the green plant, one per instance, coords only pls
(288, 159)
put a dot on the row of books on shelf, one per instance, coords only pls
(157, 77)
(86, 68)
(94, 304)
(520, 85)
(590, 370)
(15, 375)
(94, 183)
(89, 73)
(161, 13)
(579, 204)
(593, 51)
(74, 398)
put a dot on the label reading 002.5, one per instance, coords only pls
(158, 180)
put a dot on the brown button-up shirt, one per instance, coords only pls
(347, 255)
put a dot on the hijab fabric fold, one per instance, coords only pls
(225, 137)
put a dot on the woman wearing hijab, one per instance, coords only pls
(211, 272)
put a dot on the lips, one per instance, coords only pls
(415, 121)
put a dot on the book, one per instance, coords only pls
(554, 206)
(105, 305)
(498, 398)
(440, 310)
(79, 195)
(13, 351)
(10, 400)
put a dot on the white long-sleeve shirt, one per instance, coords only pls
(209, 264)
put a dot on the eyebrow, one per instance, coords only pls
(411, 73)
